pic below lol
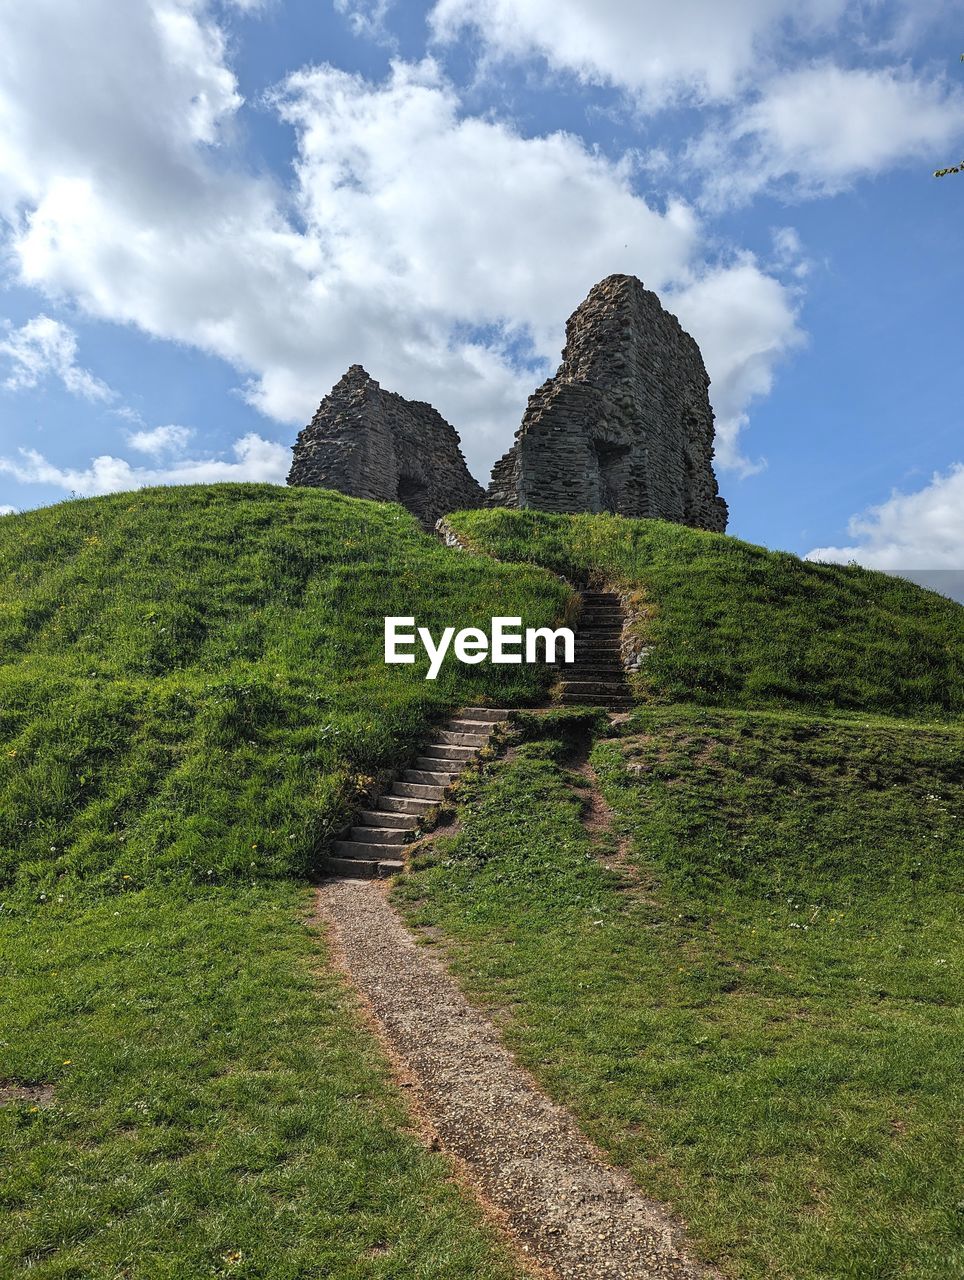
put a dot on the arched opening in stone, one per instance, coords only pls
(612, 459)
(413, 494)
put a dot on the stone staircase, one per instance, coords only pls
(377, 842)
(597, 677)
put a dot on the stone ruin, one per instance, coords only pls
(372, 443)
(624, 426)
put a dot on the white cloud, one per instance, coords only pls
(7, 511)
(659, 52)
(745, 323)
(367, 18)
(44, 348)
(432, 245)
(820, 128)
(255, 459)
(159, 441)
(922, 530)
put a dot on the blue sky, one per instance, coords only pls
(210, 209)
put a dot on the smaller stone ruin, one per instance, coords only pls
(372, 443)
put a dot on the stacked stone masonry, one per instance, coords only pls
(625, 425)
(372, 443)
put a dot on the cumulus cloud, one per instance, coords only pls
(819, 128)
(659, 52)
(254, 459)
(921, 530)
(441, 249)
(159, 441)
(745, 322)
(7, 511)
(44, 348)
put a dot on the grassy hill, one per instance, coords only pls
(192, 679)
(726, 933)
(734, 624)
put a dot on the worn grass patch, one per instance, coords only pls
(211, 1106)
(771, 1040)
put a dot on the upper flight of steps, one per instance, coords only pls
(597, 677)
(381, 833)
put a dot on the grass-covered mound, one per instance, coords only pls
(735, 624)
(192, 679)
(746, 980)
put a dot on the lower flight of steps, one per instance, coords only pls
(597, 677)
(381, 834)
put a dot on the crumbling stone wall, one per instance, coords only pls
(373, 443)
(625, 425)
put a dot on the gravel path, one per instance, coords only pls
(572, 1213)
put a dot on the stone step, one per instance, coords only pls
(411, 805)
(362, 850)
(418, 791)
(460, 725)
(381, 818)
(380, 835)
(434, 778)
(363, 868)
(598, 694)
(595, 686)
(454, 738)
(451, 768)
(492, 715)
(457, 755)
(602, 703)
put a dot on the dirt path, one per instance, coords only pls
(571, 1212)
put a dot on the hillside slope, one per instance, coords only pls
(735, 624)
(192, 679)
(726, 931)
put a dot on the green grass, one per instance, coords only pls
(217, 1110)
(192, 679)
(734, 624)
(759, 1011)
(755, 1008)
(192, 699)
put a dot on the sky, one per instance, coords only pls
(209, 209)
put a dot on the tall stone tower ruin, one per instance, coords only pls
(625, 425)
